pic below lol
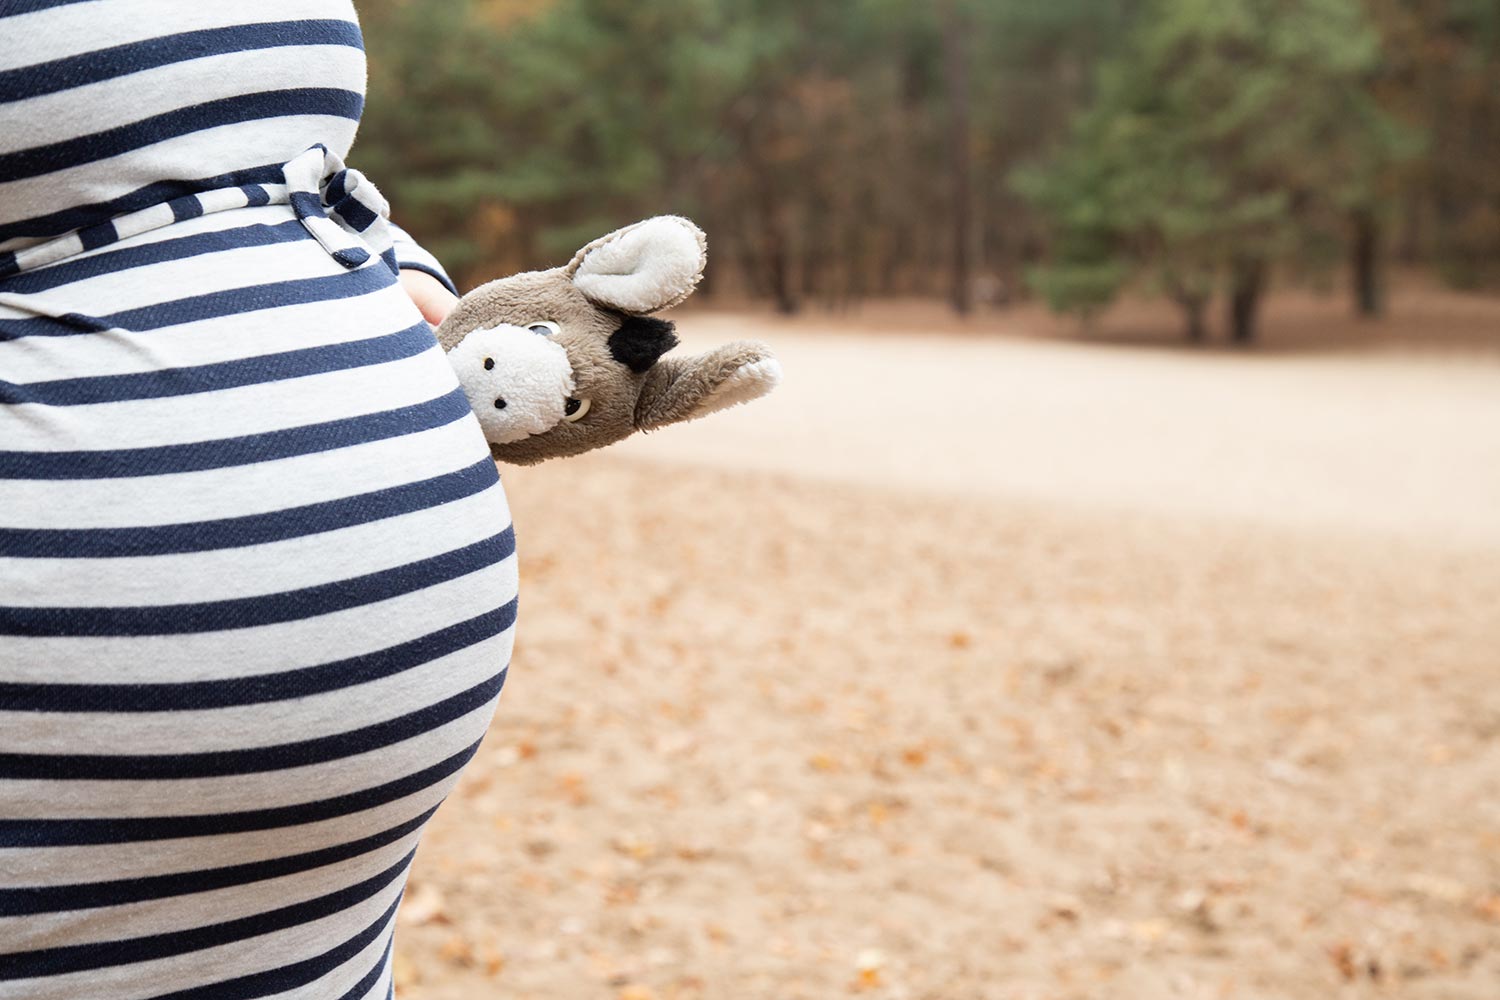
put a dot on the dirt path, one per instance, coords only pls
(1388, 443)
(1099, 675)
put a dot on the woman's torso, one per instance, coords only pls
(107, 106)
(257, 578)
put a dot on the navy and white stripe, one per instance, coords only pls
(122, 227)
(257, 574)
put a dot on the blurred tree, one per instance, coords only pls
(1087, 266)
(434, 128)
(1441, 76)
(956, 60)
(1035, 68)
(820, 143)
(870, 147)
(1195, 162)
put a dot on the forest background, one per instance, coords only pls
(983, 151)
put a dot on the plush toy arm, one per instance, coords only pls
(679, 389)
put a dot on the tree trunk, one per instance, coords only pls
(1410, 237)
(779, 272)
(1365, 259)
(776, 250)
(1193, 304)
(1248, 282)
(747, 256)
(888, 281)
(1193, 309)
(815, 256)
(955, 59)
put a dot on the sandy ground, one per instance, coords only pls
(999, 668)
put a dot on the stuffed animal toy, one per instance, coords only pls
(561, 362)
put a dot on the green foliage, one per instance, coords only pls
(1088, 267)
(1443, 71)
(429, 135)
(809, 137)
(1165, 143)
(1224, 131)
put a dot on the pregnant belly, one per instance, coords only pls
(257, 598)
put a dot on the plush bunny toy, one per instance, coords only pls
(560, 362)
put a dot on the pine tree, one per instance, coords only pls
(1229, 136)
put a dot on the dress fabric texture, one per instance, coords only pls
(257, 573)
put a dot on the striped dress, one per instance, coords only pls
(257, 574)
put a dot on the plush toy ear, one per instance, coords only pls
(642, 268)
(679, 389)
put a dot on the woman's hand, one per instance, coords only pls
(435, 301)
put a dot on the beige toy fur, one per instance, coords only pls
(611, 369)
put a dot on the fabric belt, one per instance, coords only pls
(338, 207)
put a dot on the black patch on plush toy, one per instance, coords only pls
(641, 341)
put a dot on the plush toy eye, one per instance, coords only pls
(544, 328)
(575, 409)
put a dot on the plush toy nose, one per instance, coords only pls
(517, 383)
